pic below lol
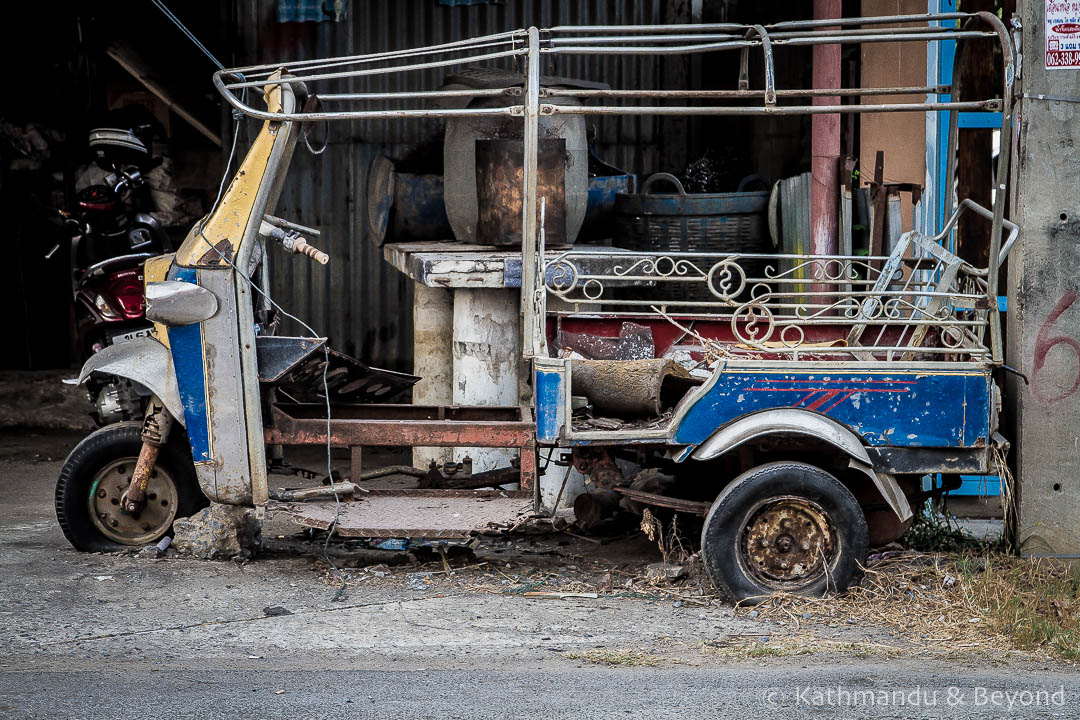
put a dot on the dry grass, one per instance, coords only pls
(948, 603)
(1035, 603)
(741, 647)
(621, 658)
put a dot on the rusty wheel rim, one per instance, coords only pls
(787, 542)
(154, 518)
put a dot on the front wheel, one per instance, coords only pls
(784, 527)
(96, 474)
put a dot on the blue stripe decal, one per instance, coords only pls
(185, 342)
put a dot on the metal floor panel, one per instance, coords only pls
(411, 514)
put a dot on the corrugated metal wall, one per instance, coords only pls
(358, 300)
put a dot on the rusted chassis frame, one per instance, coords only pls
(356, 426)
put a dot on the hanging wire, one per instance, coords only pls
(237, 116)
(190, 35)
(313, 104)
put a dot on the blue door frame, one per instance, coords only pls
(971, 485)
(946, 55)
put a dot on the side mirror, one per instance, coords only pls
(174, 303)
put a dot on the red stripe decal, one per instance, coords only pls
(829, 395)
(886, 382)
(843, 397)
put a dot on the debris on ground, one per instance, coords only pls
(154, 552)
(150, 552)
(937, 603)
(219, 532)
(418, 581)
(276, 611)
(663, 572)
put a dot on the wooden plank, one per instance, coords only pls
(877, 233)
(130, 61)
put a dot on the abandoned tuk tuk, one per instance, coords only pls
(791, 399)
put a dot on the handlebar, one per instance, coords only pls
(74, 225)
(968, 204)
(293, 241)
(298, 244)
(125, 179)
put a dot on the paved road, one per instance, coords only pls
(855, 690)
(114, 636)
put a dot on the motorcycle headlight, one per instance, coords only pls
(104, 307)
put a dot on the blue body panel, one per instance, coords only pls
(549, 393)
(970, 485)
(898, 408)
(185, 343)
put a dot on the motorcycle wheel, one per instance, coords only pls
(99, 470)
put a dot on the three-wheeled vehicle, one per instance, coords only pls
(814, 390)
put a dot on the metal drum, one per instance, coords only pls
(480, 169)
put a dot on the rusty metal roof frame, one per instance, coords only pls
(630, 40)
(527, 47)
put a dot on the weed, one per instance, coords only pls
(1036, 603)
(668, 540)
(931, 531)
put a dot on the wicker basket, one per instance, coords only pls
(689, 222)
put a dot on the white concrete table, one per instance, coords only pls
(466, 333)
(467, 345)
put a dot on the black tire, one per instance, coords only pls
(98, 451)
(784, 527)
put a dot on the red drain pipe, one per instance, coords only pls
(825, 143)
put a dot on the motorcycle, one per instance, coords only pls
(112, 235)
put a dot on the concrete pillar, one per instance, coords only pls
(486, 360)
(1043, 340)
(433, 359)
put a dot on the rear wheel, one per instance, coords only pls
(96, 474)
(784, 527)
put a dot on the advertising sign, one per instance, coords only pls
(1062, 34)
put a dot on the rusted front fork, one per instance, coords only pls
(155, 433)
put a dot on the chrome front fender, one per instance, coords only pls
(789, 422)
(143, 360)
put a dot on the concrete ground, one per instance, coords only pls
(118, 636)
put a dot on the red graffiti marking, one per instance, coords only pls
(1044, 342)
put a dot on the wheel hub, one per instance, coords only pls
(787, 541)
(146, 524)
